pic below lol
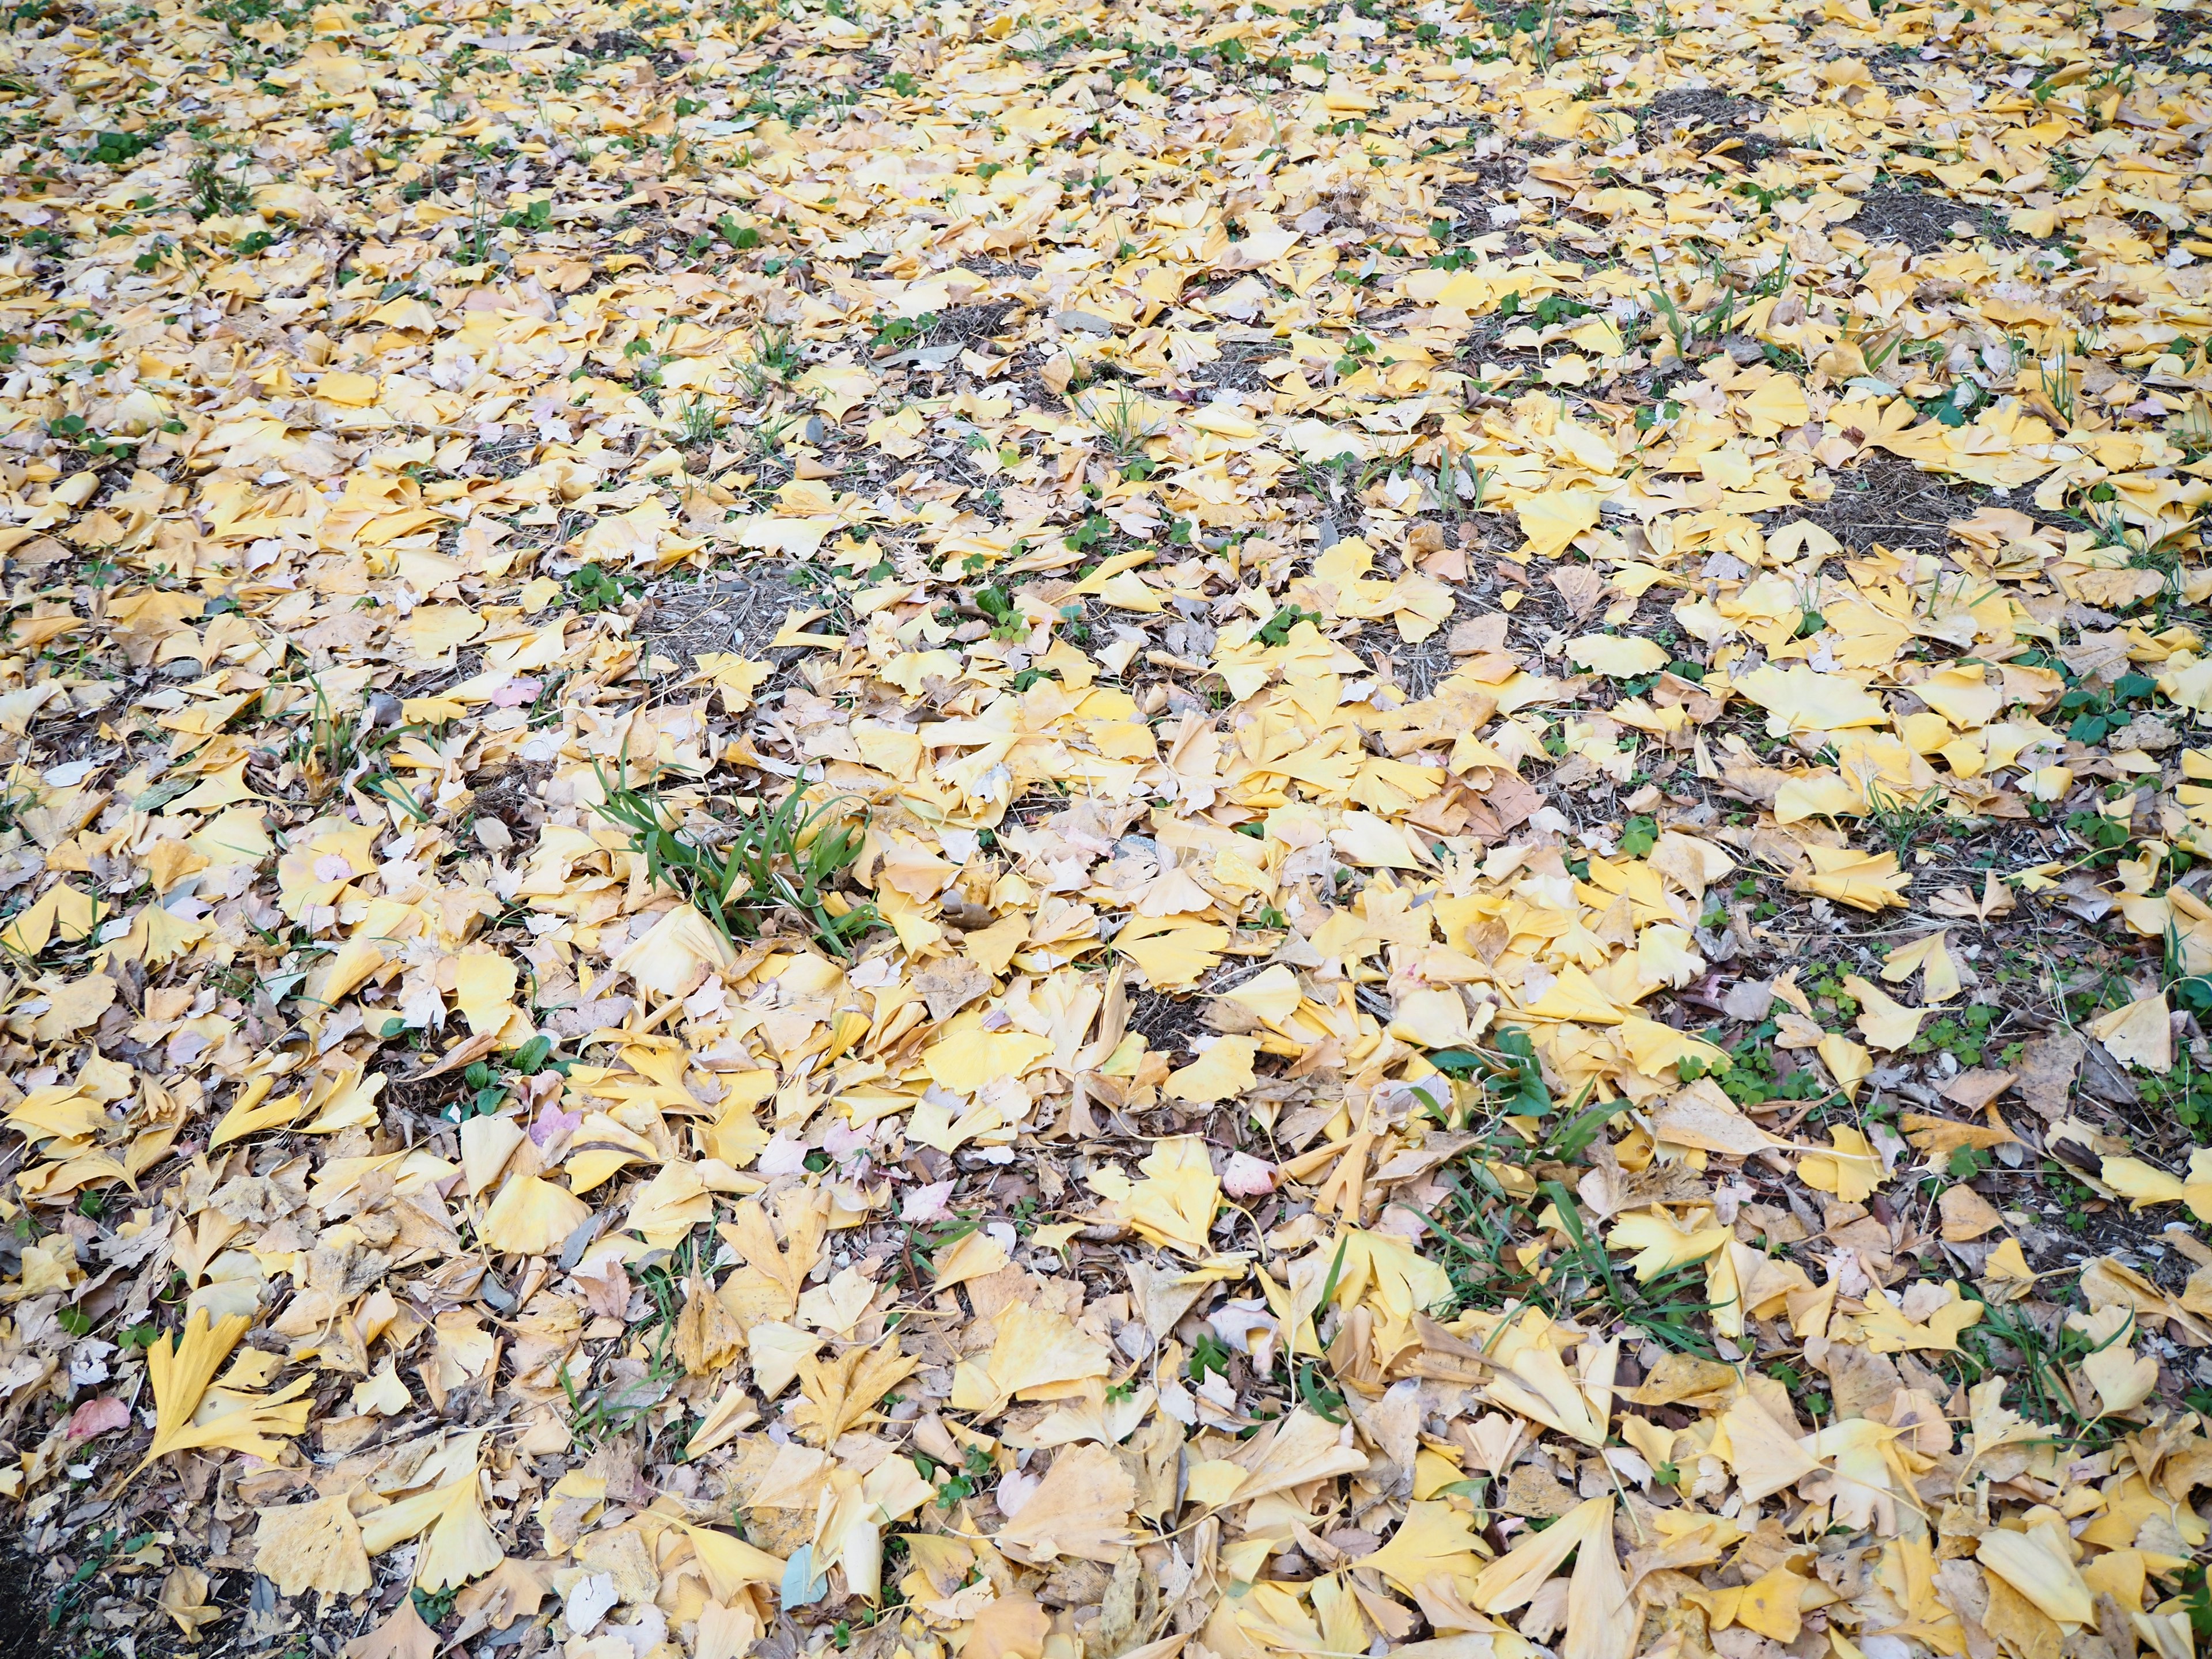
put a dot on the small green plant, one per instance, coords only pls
(1124, 427)
(1208, 1354)
(1904, 820)
(1007, 622)
(592, 588)
(1461, 485)
(485, 1095)
(534, 216)
(788, 859)
(770, 436)
(895, 332)
(213, 191)
(2193, 432)
(1481, 1226)
(956, 1488)
(1639, 835)
(775, 359)
(699, 423)
(112, 149)
(1276, 630)
(2062, 386)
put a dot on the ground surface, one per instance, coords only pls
(1105, 830)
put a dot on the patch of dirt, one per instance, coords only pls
(1922, 220)
(24, 1632)
(1000, 269)
(1167, 1020)
(738, 609)
(1885, 498)
(970, 322)
(1238, 368)
(509, 793)
(1692, 112)
(2181, 44)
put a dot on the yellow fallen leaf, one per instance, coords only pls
(2141, 1183)
(1887, 1330)
(312, 1546)
(731, 1564)
(842, 1392)
(531, 1216)
(484, 986)
(1764, 1457)
(1770, 1604)
(1553, 518)
(1036, 1352)
(1865, 881)
(1513, 1579)
(2008, 1261)
(186, 1419)
(1222, 1073)
(460, 1544)
(1435, 1539)
(1662, 1244)
(1852, 1170)
(1886, 1024)
(1802, 699)
(1616, 656)
(2140, 1034)
(1930, 957)
(1081, 1509)
(1847, 1062)
(1273, 994)
(2038, 1563)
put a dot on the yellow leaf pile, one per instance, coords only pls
(1038, 831)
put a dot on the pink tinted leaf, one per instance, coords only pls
(97, 1417)
(928, 1203)
(1246, 1176)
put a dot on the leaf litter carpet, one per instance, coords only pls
(1107, 832)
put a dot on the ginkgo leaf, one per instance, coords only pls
(731, 1564)
(1865, 881)
(1660, 1245)
(1764, 1456)
(1036, 1350)
(190, 1417)
(2041, 1568)
(2123, 1379)
(2140, 1034)
(1295, 788)
(1222, 1072)
(842, 1392)
(1272, 993)
(1513, 1580)
(1852, 1170)
(1081, 1510)
(180, 1371)
(1888, 1331)
(457, 1543)
(1620, 657)
(1885, 1023)
(1552, 520)
(1602, 1623)
(312, 1546)
(1532, 1380)
(1433, 1541)
(531, 1216)
(403, 1635)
